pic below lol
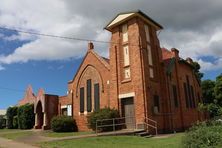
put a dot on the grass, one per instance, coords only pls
(66, 134)
(118, 142)
(15, 135)
(8, 130)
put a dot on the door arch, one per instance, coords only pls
(39, 113)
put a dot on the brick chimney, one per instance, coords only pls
(175, 52)
(90, 46)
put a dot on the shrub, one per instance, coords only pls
(15, 122)
(63, 124)
(26, 116)
(105, 113)
(11, 112)
(204, 135)
(2, 122)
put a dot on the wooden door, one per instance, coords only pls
(128, 112)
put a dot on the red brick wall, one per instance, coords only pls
(64, 100)
(95, 68)
(99, 71)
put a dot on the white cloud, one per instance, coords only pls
(209, 66)
(48, 17)
(196, 32)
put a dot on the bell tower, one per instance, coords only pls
(134, 58)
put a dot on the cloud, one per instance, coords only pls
(209, 66)
(194, 27)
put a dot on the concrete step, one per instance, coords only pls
(139, 131)
(148, 136)
(142, 134)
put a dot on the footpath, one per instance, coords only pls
(6, 143)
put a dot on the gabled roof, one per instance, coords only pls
(121, 17)
(103, 60)
(106, 59)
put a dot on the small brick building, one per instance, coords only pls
(140, 79)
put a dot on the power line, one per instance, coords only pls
(12, 89)
(57, 36)
(20, 90)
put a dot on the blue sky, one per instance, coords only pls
(50, 63)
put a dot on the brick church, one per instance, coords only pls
(140, 79)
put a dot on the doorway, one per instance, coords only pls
(127, 105)
(39, 115)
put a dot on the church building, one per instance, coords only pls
(140, 79)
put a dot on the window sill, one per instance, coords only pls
(126, 80)
(85, 113)
(125, 43)
(126, 66)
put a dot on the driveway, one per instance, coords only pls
(6, 143)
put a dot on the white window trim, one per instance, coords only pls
(127, 95)
(125, 32)
(63, 106)
(125, 70)
(150, 57)
(147, 31)
(126, 56)
(151, 75)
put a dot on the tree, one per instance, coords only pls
(208, 91)
(218, 90)
(11, 112)
(26, 117)
(2, 122)
(197, 72)
(212, 96)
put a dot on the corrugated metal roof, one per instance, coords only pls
(2, 111)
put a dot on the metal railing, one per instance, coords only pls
(116, 123)
(151, 123)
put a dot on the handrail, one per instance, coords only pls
(150, 125)
(114, 118)
(113, 124)
(148, 122)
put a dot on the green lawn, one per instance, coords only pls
(53, 134)
(118, 142)
(9, 130)
(15, 135)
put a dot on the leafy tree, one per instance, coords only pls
(2, 122)
(208, 91)
(218, 90)
(11, 112)
(196, 66)
(26, 116)
(212, 96)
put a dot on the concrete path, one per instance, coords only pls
(6, 143)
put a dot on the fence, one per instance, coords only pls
(151, 123)
(115, 124)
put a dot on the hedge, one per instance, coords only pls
(105, 113)
(11, 112)
(204, 135)
(63, 124)
(26, 116)
(2, 122)
(15, 122)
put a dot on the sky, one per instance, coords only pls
(193, 27)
